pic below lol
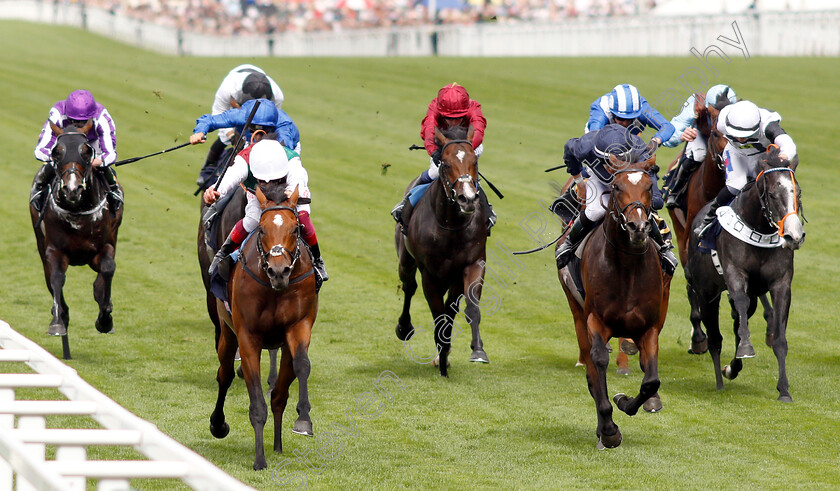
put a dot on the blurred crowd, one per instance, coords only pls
(260, 17)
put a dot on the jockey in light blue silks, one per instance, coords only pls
(693, 125)
(749, 130)
(626, 107)
(591, 153)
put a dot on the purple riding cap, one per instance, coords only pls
(80, 106)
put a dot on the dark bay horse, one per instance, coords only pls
(446, 240)
(273, 305)
(626, 296)
(76, 228)
(769, 206)
(233, 211)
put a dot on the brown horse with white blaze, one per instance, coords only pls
(76, 227)
(273, 305)
(626, 296)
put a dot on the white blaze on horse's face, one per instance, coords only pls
(635, 177)
(460, 155)
(278, 220)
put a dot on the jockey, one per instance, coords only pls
(77, 109)
(591, 154)
(452, 107)
(268, 118)
(693, 126)
(241, 84)
(749, 130)
(264, 161)
(626, 107)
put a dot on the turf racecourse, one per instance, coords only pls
(526, 420)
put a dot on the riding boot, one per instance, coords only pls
(666, 258)
(724, 197)
(399, 210)
(38, 194)
(115, 194)
(685, 168)
(580, 229)
(488, 210)
(318, 263)
(222, 260)
(211, 162)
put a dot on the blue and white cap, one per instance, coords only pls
(718, 95)
(625, 102)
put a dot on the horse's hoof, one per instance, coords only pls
(609, 441)
(57, 330)
(727, 372)
(579, 364)
(303, 427)
(239, 372)
(479, 356)
(745, 350)
(105, 324)
(260, 464)
(653, 405)
(436, 362)
(404, 334)
(698, 347)
(623, 370)
(628, 347)
(220, 431)
(785, 398)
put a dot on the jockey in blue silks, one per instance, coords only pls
(626, 107)
(693, 125)
(591, 154)
(268, 118)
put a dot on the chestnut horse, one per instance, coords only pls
(75, 228)
(446, 239)
(770, 205)
(273, 305)
(626, 296)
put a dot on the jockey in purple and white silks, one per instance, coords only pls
(626, 107)
(688, 128)
(243, 83)
(77, 109)
(749, 130)
(592, 152)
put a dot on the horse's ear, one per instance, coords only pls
(86, 128)
(55, 129)
(649, 163)
(439, 138)
(794, 162)
(293, 198)
(261, 197)
(234, 103)
(470, 133)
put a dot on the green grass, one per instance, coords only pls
(526, 420)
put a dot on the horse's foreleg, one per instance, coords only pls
(297, 339)
(699, 343)
(226, 348)
(648, 361)
(473, 281)
(443, 323)
(608, 433)
(272, 369)
(781, 302)
(741, 303)
(408, 273)
(709, 314)
(280, 395)
(250, 350)
(105, 265)
(768, 318)
(56, 265)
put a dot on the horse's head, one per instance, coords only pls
(277, 239)
(72, 157)
(781, 197)
(631, 193)
(459, 168)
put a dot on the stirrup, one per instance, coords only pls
(668, 261)
(396, 212)
(37, 200)
(320, 269)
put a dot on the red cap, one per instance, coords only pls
(453, 101)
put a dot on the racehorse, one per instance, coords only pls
(273, 304)
(626, 295)
(76, 228)
(446, 239)
(233, 211)
(769, 207)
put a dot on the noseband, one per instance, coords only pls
(762, 199)
(449, 187)
(278, 250)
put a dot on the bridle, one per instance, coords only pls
(449, 187)
(278, 249)
(87, 168)
(765, 210)
(620, 216)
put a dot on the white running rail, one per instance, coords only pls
(22, 448)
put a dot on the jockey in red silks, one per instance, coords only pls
(452, 107)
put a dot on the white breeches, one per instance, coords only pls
(597, 198)
(696, 149)
(434, 170)
(253, 212)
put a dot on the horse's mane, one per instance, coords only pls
(455, 132)
(772, 159)
(274, 191)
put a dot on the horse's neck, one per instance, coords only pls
(446, 212)
(748, 206)
(713, 177)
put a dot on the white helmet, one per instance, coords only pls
(268, 160)
(743, 120)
